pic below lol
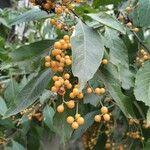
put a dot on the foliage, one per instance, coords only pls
(75, 72)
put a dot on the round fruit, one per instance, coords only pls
(80, 95)
(47, 58)
(47, 64)
(75, 125)
(80, 120)
(69, 86)
(70, 104)
(77, 116)
(104, 61)
(57, 45)
(135, 30)
(70, 119)
(60, 108)
(102, 90)
(66, 37)
(104, 110)
(97, 91)
(57, 83)
(89, 90)
(106, 117)
(66, 76)
(68, 62)
(72, 95)
(54, 89)
(55, 78)
(75, 91)
(97, 118)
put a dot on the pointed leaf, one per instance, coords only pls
(87, 52)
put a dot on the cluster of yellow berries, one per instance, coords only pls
(98, 91)
(142, 56)
(76, 93)
(70, 104)
(105, 115)
(76, 121)
(60, 83)
(135, 135)
(130, 25)
(59, 57)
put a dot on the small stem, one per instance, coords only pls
(77, 108)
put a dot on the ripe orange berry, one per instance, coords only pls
(97, 91)
(55, 78)
(60, 108)
(58, 10)
(53, 21)
(97, 118)
(60, 69)
(70, 104)
(145, 57)
(102, 90)
(89, 90)
(62, 60)
(70, 119)
(57, 45)
(54, 89)
(66, 37)
(104, 110)
(47, 6)
(66, 76)
(80, 95)
(59, 26)
(66, 82)
(107, 146)
(75, 91)
(57, 83)
(135, 29)
(68, 62)
(69, 86)
(104, 61)
(129, 24)
(65, 46)
(47, 64)
(80, 120)
(47, 58)
(106, 117)
(72, 95)
(77, 116)
(75, 125)
(62, 41)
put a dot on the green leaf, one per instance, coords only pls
(148, 117)
(114, 88)
(15, 146)
(142, 84)
(48, 113)
(147, 145)
(61, 127)
(30, 93)
(31, 51)
(3, 107)
(92, 99)
(119, 57)
(87, 52)
(4, 22)
(30, 15)
(98, 3)
(89, 120)
(11, 91)
(108, 20)
(144, 15)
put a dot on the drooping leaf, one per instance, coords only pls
(108, 20)
(31, 51)
(3, 107)
(119, 57)
(61, 127)
(87, 52)
(114, 88)
(48, 113)
(30, 15)
(142, 84)
(30, 93)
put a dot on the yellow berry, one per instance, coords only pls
(75, 125)
(77, 116)
(80, 120)
(47, 58)
(54, 89)
(69, 86)
(47, 64)
(68, 62)
(60, 108)
(135, 29)
(55, 78)
(72, 95)
(102, 90)
(104, 61)
(106, 117)
(75, 91)
(57, 83)
(97, 91)
(70, 119)
(97, 118)
(66, 76)
(66, 37)
(89, 90)
(70, 104)
(57, 45)
(80, 95)
(104, 110)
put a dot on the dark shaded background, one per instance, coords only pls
(5, 3)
